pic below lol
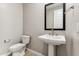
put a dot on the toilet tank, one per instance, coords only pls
(25, 39)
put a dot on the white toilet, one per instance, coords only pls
(19, 48)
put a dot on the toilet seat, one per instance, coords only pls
(17, 47)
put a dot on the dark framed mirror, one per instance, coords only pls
(54, 16)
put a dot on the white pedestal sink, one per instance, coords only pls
(52, 41)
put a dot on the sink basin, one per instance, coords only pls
(53, 39)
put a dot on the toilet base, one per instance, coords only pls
(19, 53)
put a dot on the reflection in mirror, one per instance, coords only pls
(54, 16)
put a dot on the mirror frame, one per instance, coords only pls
(46, 20)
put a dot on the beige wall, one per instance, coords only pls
(76, 30)
(34, 26)
(11, 25)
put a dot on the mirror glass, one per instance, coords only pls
(54, 16)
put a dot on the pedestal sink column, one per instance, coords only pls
(51, 50)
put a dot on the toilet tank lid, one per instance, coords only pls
(25, 36)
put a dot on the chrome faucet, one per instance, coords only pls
(52, 32)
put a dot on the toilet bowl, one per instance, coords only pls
(19, 48)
